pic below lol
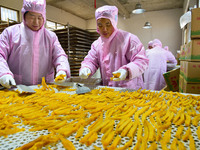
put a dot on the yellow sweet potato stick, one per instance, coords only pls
(116, 75)
(108, 139)
(144, 143)
(167, 136)
(187, 120)
(146, 130)
(139, 133)
(198, 132)
(116, 141)
(30, 144)
(126, 129)
(181, 146)
(97, 148)
(196, 120)
(119, 130)
(181, 120)
(179, 132)
(110, 125)
(92, 139)
(80, 132)
(86, 137)
(60, 77)
(159, 135)
(185, 137)
(163, 145)
(174, 144)
(153, 146)
(151, 132)
(133, 130)
(127, 144)
(66, 143)
(138, 144)
(192, 143)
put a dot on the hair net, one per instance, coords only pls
(109, 12)
(157, 42)
(38, 6)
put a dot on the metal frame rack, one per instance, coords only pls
(76, 42)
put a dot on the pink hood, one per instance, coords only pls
(109, 12)
(157, 42)
(38, 6)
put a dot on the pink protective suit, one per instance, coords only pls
(122, 50)
(158, 57)
(29, 55)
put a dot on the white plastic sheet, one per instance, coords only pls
(185, 19)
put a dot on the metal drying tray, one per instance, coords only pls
(15, 140)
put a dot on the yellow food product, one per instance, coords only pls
(60, 77)
(153, 146)
(92, 139)
(126, 145)
(80, 132)
(174, 144)
(133, 130)
(107, 140)
(181, 146)
(192, 143)
(198, 132)
(66, 143)
(116, 75)
(179, 132)
(185, 137)
(116, 141)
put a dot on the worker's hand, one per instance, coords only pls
(84, 73)
(60, 76)
(119, 75)
(7, 81)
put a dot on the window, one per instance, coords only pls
(10, 14)
(53, 25)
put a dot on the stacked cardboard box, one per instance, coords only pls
(189, 78)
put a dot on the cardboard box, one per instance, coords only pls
(182, 52)
(166, 88)
(195, 23)
(182, 67)
(193, 88)
(192, 50)
(181, 82)
(191, 71)
(172, 79)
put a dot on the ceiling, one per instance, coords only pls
(85, 9)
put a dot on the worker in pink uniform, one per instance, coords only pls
(29, 52)
(115, 52)
(158, 57)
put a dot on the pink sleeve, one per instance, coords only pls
(4, 53)
(138, 60)
(171, 58)
(60, 59)
(91, 60)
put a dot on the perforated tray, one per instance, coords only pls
(16, 140)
